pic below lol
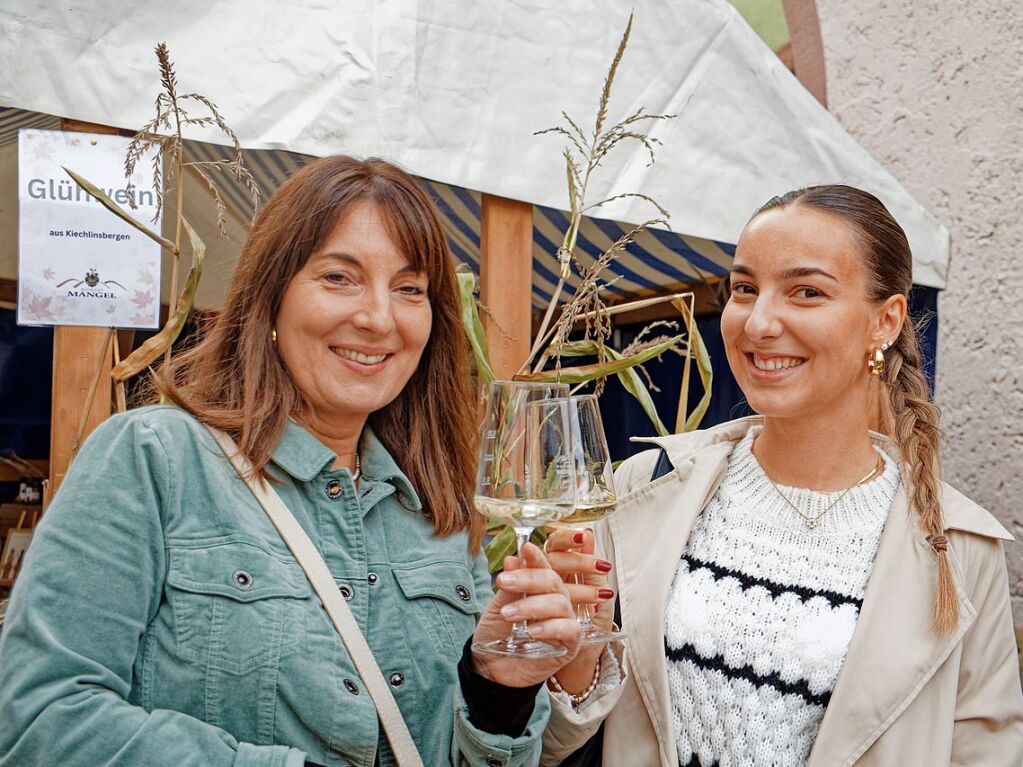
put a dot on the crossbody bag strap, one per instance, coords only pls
(316, 570)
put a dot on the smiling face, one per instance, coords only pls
(354, 320)
(799, 323)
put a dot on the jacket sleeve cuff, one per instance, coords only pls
(569, 728)
(476, 747)
(494, 707)
(609, 683)
(250, 755)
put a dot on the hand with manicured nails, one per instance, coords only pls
(529, 591)
(570, 553)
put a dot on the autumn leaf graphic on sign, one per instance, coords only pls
(43, 150)
(140, 319)
(142, 300)
(37, 307)
(146, 277)
(49, 274)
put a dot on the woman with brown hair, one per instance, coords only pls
(160, 618)
(799, 589)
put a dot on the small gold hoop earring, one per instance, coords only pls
(875, 363)
(273, 335)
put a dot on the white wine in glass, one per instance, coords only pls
(524, 478)
(595, 489)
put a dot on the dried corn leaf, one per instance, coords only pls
(117, 210)
(142, 357)
(699, 350)
(584, 373)
(630, 378)
(473, 327)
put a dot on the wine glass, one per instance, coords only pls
(525, 478)
(595, 489)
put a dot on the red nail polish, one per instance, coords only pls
(603, 566)
(605, 593)
(596, 608)
(578, 538)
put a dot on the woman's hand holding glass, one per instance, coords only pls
(571, 555)
(535, 593)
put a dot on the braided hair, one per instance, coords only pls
(908, 415)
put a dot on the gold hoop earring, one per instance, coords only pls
(875, 363)
(273, 335)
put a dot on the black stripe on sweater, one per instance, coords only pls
(695, 762)
(775, 589)
(688, 653)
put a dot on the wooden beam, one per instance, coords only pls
(9, 472)
(77, 353)
(709, 300)
(8, 291)
(506, 281)
(807, 48)
(77, 126)
(80, 356)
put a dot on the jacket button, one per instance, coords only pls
(334, 489)
(242, 579)
(463, 593)
(346, 591)
(397, 679)
(372, 578)
(493, 761)
(350, 686)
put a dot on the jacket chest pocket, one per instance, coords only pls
(443, 601)
(235, 606)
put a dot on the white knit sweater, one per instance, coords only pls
(761, 613)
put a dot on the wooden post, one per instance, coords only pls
(506, 281)
(807, 47)
(78, 353)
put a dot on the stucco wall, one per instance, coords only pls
(933, 90)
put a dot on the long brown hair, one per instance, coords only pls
(234, 379)
(908, 414)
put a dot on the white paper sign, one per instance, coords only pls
(78, 263)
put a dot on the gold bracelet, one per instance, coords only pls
(577, 699)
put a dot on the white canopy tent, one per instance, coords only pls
(454, 91)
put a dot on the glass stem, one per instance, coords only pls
(582, 611)
(520, 629)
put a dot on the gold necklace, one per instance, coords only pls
(812, 522)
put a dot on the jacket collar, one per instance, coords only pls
(303, 456)
(300, 454)
(893, 651)
(959, 512)
(378, 465)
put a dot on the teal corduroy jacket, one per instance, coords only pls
(160, 620)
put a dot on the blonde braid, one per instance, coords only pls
(913, 422)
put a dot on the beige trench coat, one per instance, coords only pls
(904, 697)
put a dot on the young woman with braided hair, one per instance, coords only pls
(799, 587)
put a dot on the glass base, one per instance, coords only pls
(593, 635)
(525, 647)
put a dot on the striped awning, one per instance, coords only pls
(656, 262)
(13, 120)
